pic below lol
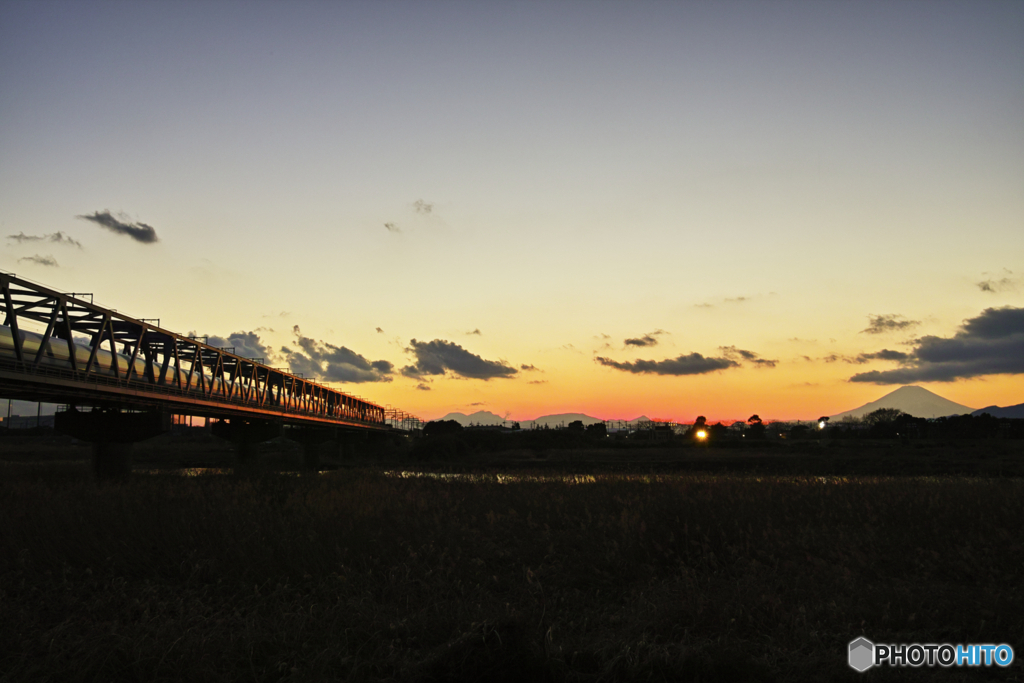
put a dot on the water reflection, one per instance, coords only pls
(189, 471)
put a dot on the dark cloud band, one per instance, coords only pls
(332, 363)
(990, 344)
(245, 344)
(692, 364)
(439, 357)
(140, 232)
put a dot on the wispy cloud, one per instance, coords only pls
(140, 232)
(420, 206)
(880, 324)
(1003, 284)
(476, 332)
(439, 357)
(53, 237)
(48, 261)
(748, 356)
(649, 339)
(392, 227)
(884, 354)
(991, 343)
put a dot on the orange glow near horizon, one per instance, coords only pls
(610, 395)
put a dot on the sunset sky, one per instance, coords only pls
(658, 208)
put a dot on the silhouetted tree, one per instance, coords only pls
(756, 429)
(717, 432)
(883, 416)
(576, 427)
(699, 425)
(598, 430)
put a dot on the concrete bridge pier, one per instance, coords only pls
(349, 443)
(112, 432)
(312, 440)
(246, 436)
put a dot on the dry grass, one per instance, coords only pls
(359, 575)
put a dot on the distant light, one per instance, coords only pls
(702, 434)
(821, 425)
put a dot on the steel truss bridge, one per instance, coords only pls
(93, 356)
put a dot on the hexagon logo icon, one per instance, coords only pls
(862, 654)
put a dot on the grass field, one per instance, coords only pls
(368, 574)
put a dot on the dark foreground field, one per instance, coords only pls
(362, 574)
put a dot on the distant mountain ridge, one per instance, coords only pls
(1016, 411)
(916, 401)
(486, 418)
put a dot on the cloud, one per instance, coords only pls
(888, 323)
(1001, 285)
(529, 368)
(53, 237)
(246, 345)
(380, 331)
(140, 232)
(421, 206)
(477, 332)
(422, 387)
(648, 339)
(439, 357)
(736, 299)
(537, 381)
(40, 260)
(692, 364)
(884, 354)
(392, 227)
(749, 356)
(332, 363)
(990, 344)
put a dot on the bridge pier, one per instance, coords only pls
(112, 433)
(312, 440)
(246, 436)
(348, 443)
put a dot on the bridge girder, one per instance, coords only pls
(92, 355)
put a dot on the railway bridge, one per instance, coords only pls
(122, 379)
